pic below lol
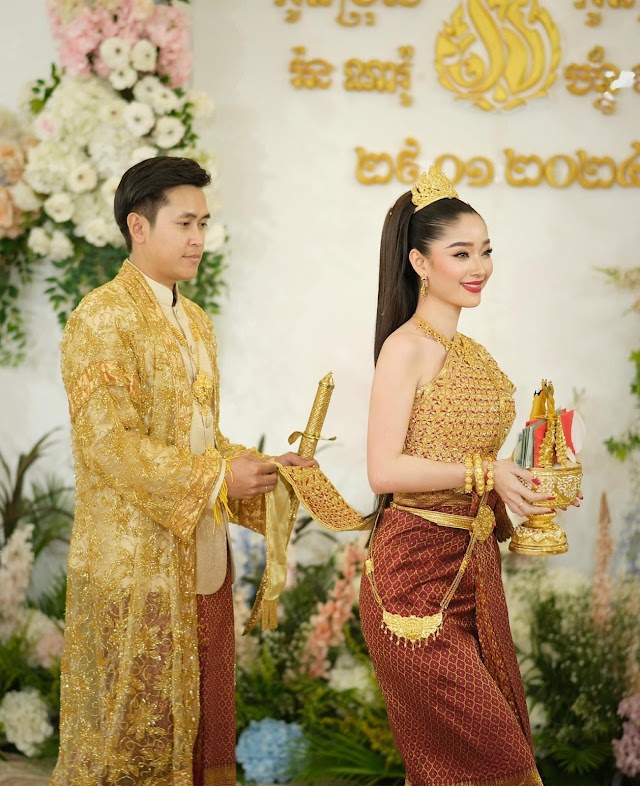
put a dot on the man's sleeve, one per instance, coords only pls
(100, 373)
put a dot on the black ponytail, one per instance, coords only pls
(398, 283)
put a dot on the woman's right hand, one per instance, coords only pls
(512, 483)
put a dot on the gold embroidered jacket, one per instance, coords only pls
(129, 686)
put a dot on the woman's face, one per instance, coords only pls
(459, 264)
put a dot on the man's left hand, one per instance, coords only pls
(294, 460)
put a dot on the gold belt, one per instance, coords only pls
(413, 629)
(481, 525)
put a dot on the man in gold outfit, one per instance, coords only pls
(147, 690)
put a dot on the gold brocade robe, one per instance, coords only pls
(129, 683)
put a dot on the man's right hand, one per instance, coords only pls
(249, 475)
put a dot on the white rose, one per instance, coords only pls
(112, 112)
(82, 178)
(215, 237)
(165, 100)
(139, 118)
(108, 189)
(202, 106)
(39, 241)
(59, 207)
(123, 77)
(24, 197)
(25, 719)
(97, 232)
(146, 88)
(144, 55)
(115, 52)
(61, 247)
(142, 153)
(168, 132)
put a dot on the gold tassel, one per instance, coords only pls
(222, 502)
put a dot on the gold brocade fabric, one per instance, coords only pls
(129, 683)
(467, 408)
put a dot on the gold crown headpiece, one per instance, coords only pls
(431, 187)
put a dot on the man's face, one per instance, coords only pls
(172, 248)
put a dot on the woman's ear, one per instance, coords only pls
(418, 262)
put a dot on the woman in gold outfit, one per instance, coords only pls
(433, 609)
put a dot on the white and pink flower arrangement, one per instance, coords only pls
(30, 651)
(118, 95)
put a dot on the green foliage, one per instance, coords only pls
(42, 90)
(335, 757)
(628, 444)
(577, 670)
(52, 602)
(47, 506)
(261, 691)
(17, 264)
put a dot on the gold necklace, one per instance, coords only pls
(430, 331)
(202, 386)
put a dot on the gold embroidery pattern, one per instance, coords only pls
(129, 680)
(220, 776)
(529, 778)
(98, 375)
(322, 500)
(470, 400)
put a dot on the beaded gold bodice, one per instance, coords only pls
(467, 408)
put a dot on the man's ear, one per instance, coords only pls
(138, 227)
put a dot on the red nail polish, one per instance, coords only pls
(536, 481)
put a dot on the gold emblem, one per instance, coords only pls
(484, 523)
(498, 53)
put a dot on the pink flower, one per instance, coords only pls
(328, 623)
(627, 749)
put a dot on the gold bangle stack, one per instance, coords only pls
(490, 474)
(478, 469)
(468, 475)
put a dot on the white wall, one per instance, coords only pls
(304, 234)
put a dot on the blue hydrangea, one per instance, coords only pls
(265, 748)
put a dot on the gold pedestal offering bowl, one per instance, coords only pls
(540, 535)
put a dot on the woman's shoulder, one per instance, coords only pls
(407, 346)
(406, 354)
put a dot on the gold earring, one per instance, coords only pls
(424, 289)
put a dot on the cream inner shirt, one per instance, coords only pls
(212, 542)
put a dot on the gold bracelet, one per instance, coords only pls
(468, 475)
(479, 473)
(490, 474)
